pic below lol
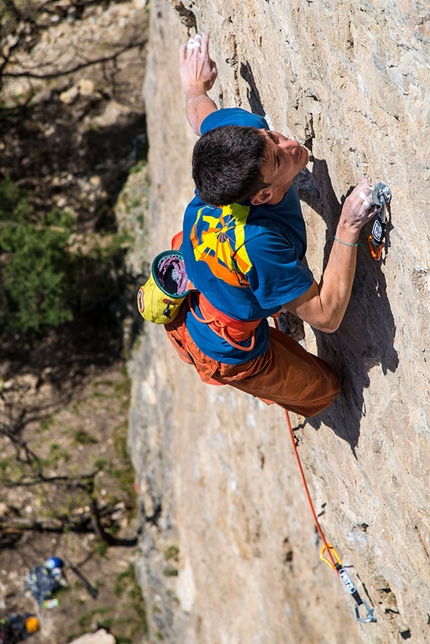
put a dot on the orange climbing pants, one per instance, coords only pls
(286, 374)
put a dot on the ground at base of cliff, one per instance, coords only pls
(73, 409)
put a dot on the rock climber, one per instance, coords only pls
(244, 242)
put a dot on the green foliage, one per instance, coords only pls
(172, 552)
(101, 548)
(46, 425)
(88, 617)
(47, 270)
(124, 473)
(56, 454)
(99, 463)
(170, 572)
(138, 167)
(127, 620)
(127, 588)
(81, 437)
(98, 394)
(122, 580)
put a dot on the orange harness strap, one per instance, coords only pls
(233, 331)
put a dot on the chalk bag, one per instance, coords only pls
(159, 299)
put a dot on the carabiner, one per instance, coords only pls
(328, 546)
(381, 196)
(370, 612)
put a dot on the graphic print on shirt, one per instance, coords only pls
(218, 239)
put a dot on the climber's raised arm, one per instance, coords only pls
(323, 305)
(198, 73)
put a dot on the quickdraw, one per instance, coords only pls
(333, 559)
(381, 197)
(351, 589)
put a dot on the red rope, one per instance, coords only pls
(305, 485)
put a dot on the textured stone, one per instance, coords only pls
(100, 637)
(351, 80)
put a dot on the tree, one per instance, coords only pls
(47, 269)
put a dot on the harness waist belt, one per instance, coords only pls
(233, 331)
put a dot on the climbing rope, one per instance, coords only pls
(333, 559)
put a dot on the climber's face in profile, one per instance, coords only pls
(285, 158)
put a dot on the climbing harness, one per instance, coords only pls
(333, 559)
(381, 197)
(230, 329)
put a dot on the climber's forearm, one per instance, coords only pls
(198, 106)
(323, 305)
(336, 283)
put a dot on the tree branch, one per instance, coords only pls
(58, 74)
(80, 523)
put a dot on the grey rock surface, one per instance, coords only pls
(229, 551)
(100, 637)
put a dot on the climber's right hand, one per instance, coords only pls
(357, 210)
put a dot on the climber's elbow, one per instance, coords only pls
(325, 316)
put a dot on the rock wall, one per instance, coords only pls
(229, 551)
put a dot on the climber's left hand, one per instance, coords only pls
(197, 69)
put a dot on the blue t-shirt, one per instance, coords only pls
(245, 259)
(232, 116)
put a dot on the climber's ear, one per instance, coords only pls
(262, 196)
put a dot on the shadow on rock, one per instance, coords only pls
(365, 338)
(252, 92)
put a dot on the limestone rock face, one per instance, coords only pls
(229, 551)
(100, 637)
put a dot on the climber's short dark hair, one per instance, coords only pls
(227, 163)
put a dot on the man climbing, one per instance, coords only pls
(244, 241)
